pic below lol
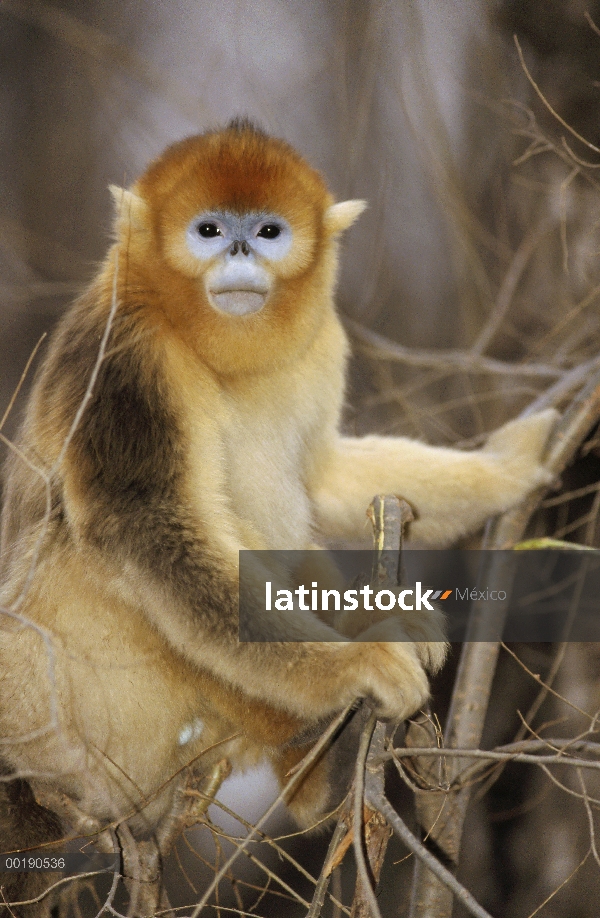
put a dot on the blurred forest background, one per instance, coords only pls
(470, 287)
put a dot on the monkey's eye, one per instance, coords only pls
(269, 231)
(209, 230)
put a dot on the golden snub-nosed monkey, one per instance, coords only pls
(217, 402)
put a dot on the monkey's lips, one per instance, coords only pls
(238, 302)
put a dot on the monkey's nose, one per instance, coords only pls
(240, 244)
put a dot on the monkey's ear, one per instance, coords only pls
(131, 211)
(340, 216)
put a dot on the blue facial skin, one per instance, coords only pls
(266, 235)
(238, 282)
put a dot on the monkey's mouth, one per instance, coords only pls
(238, 302)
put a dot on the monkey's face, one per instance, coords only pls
(239, 254)
(241, 258)
(240, 213)
(237, 243)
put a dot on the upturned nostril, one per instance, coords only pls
(245, 248)
(235, 248)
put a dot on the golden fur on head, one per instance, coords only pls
(238, 170)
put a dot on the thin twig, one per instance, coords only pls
(307, 763)
(320, 892)
(505, 754)
(428, 859)
(561, 886)
(511, 279)
(460, 360)
(544, 100)
(13, 398)
(359, 794)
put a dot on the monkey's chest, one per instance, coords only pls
(264, 465)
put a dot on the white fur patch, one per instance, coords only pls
(191, 732)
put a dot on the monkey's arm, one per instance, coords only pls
(452, 492)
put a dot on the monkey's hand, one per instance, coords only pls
(486, 482)
(392, 676)
(425, 629)
(518, 447)
(415, 640)
(422, 625)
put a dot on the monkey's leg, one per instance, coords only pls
(325, 785)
